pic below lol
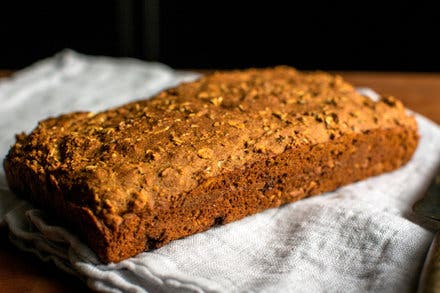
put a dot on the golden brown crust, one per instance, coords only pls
(207, 152)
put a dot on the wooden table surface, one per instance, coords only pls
(23, 272)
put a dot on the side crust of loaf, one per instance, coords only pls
(269, 183)
(205, 153)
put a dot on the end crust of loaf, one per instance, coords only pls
(205, 153)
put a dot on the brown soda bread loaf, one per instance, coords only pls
(205, 153)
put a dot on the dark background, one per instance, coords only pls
(363, 35)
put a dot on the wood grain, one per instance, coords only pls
(22, 272)
(430, 278)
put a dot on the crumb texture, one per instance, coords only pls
(206, 153)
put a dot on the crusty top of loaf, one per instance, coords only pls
(143, 155)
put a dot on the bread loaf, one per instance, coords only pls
(205, 153)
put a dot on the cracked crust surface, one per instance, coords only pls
(205, 153)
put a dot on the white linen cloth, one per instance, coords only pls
(362, 237)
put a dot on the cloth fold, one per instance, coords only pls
(361, 237)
